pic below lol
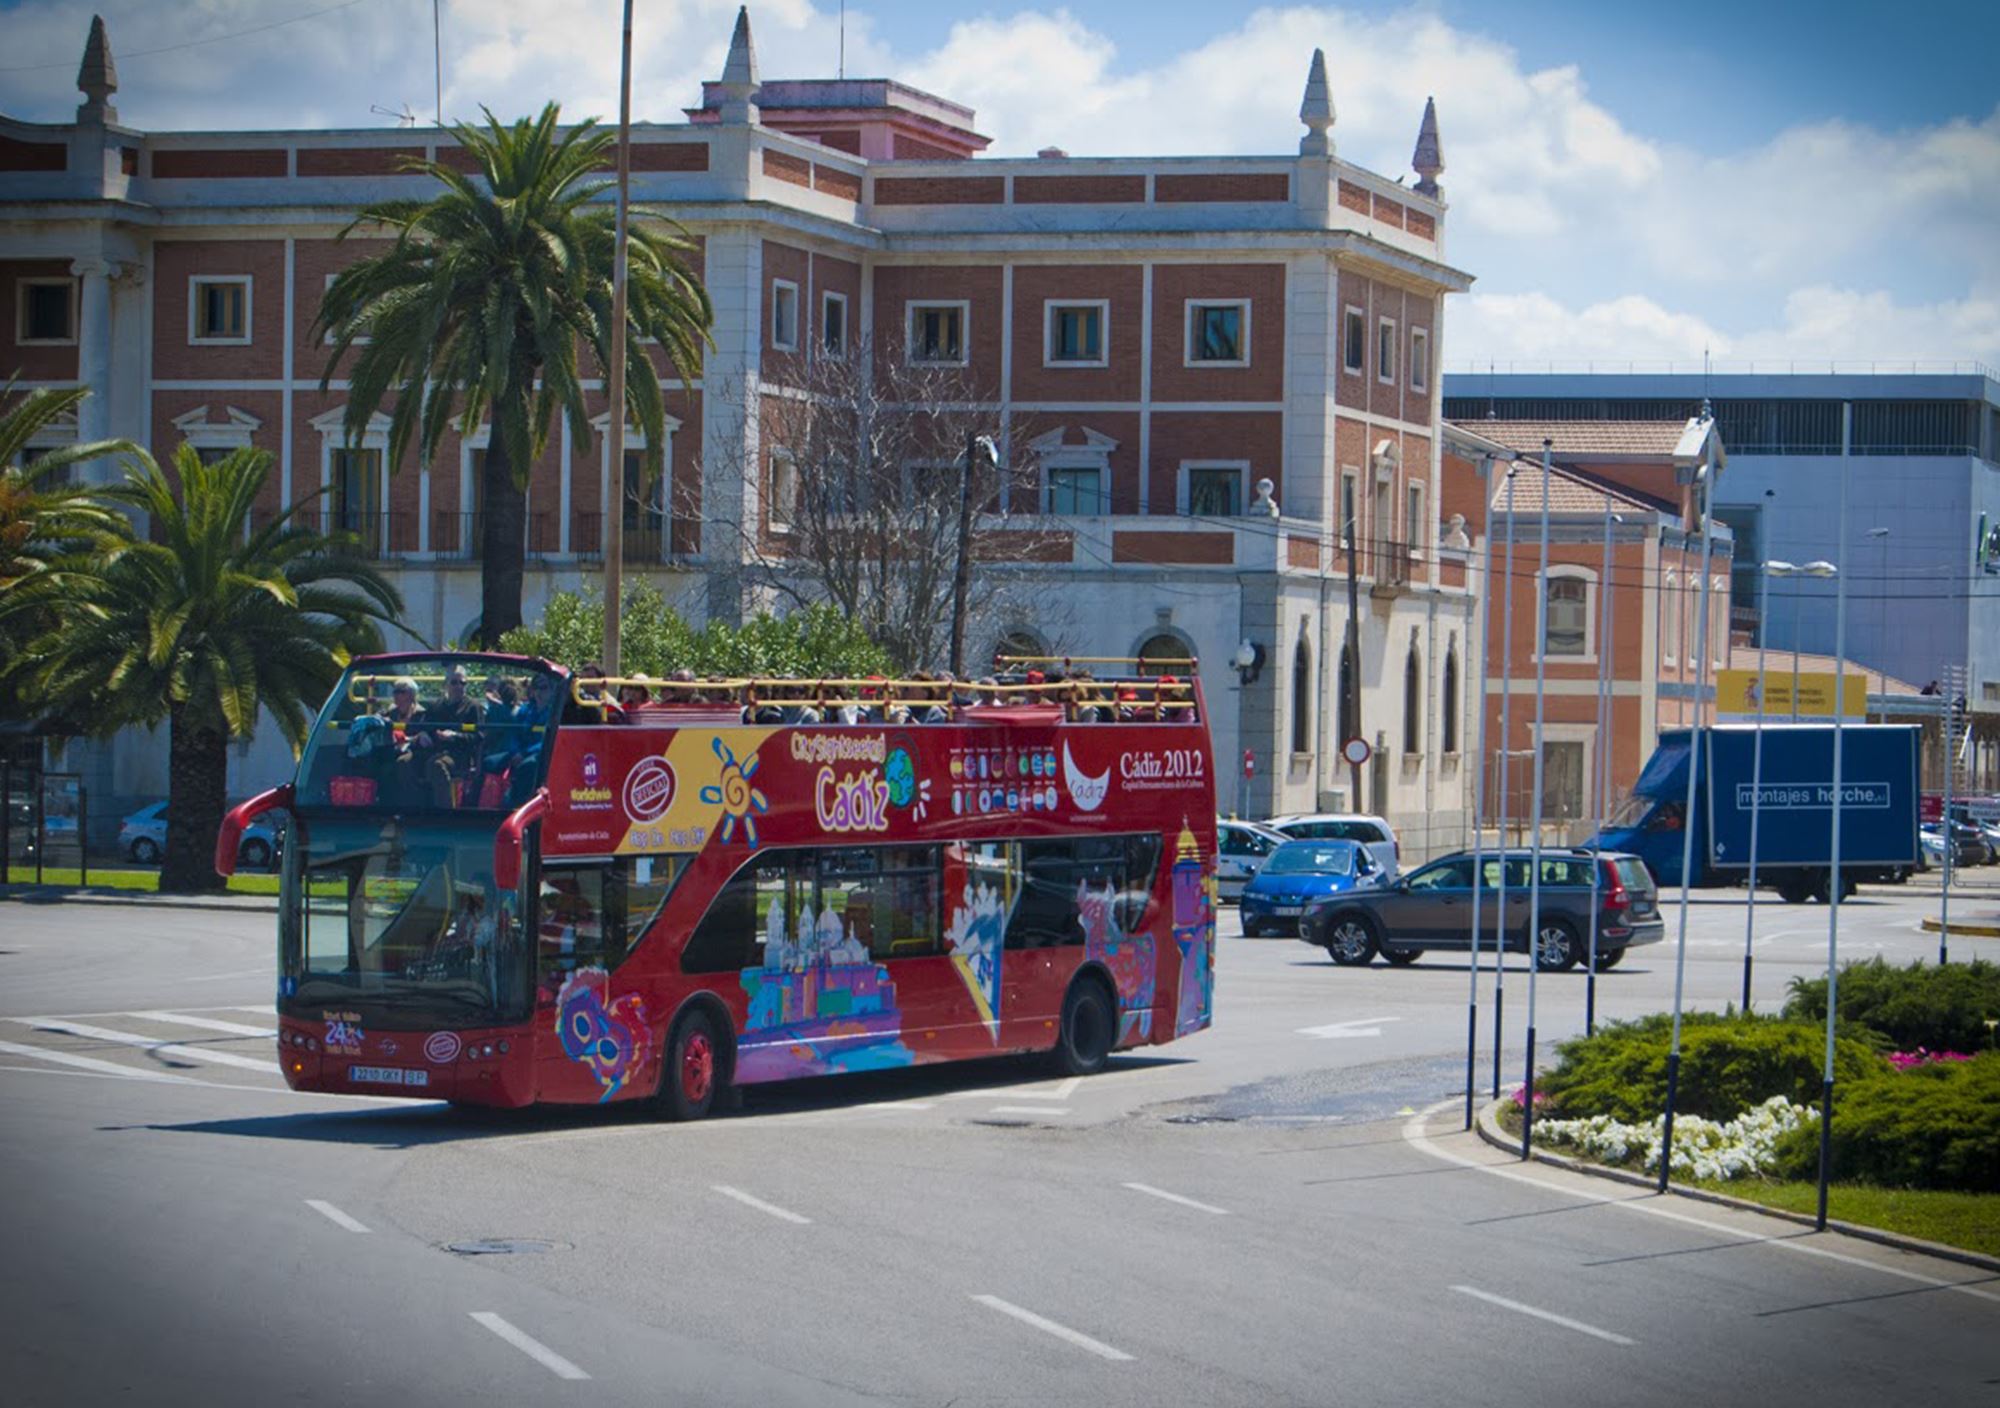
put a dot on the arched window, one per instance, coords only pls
(1568, 624)
(1019, 641)
(1302, 729)
(1413, 714)
(1164, 654)
(1345, 707)
(1448, 701)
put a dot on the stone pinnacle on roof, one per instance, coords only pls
(739, 73)
(1316, 111)
(97, 80)
(1428, 159)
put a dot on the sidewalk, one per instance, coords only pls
(105, 895)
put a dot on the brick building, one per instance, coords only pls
(1178, 329)
(1637, 472)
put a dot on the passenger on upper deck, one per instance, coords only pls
(449, 734)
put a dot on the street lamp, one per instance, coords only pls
(961, 577)
(1785, 569)
(1834, 884)
(1881, 535)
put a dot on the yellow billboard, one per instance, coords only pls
(1737, 695)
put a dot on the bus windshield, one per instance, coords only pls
(402, 921)
(443, 732)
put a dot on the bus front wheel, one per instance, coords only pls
(695, 1069)
(1084, 1044)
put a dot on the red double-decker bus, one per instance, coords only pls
(500, 889)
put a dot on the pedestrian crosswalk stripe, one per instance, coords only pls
(213, 1024)
(87, 1063)
(171, 1049)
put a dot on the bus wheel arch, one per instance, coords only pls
(1087, 1033)
(697, 1059)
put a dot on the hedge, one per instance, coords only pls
(1938, 1008)
(1934, 1126)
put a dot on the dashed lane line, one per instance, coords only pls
(211, 1024)
(173, 1049)
(1548, 1315)
(748, 1201)
(1048, 1326)
(90, 1064)
(334, 1215)
(1185, 1202)
(528, 1345)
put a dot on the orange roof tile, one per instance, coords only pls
(1580, 439)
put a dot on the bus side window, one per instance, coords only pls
(905, 904)
(729, 937)
(1046, 913)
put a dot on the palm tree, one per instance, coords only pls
(480, 306)
(205, 624)
(42, 514)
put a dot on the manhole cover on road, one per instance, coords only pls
(501, 1246)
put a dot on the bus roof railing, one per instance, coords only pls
(1190, 663)
(1147, 695)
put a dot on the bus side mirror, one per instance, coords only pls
(507, 845)
(237, 820)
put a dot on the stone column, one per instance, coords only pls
(732, 265)
(93, 352)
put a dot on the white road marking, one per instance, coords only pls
(1413, 1133)
(896, 1105)
(1063, 1091)
(1029, 1110)
(230, 977)
(1177, 1198)
(211, 1024)
(174, 1049)
(1061, 1332)
(529, 1346)
(334, 1215)
(758, 1203)
(1359, 1026)
(91, 1064)
(1548, 1315)
(1067, 1088)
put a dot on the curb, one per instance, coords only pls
(1971, 931)
(135, 899)
(1492, 1133)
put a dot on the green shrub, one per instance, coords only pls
(816, 642)
(1935, 1126)
(1938, 1008)
(1729, 1063)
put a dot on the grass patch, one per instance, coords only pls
(146, 881)
(1970, 1221)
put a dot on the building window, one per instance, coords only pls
(1165, 654)
(1218, 333)
(642, 507)
(784, 315)
(45, 312)
(1302, 730)
(1073, 333)
(1415, 526)
(1077, 489)
(1670, 619)
(1568, 623)
(1212, 491)
(1448, 702)
(219, 310)
(937, 334)
(1420, 359)
(1413, 699)
(784, 489)
(1385, 351)
(355, 480)
(1350, 507)
(833, 324)
(1562, 780)
(1354, 342)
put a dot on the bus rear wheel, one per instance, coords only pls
(1084, 1043)
(691, 1082)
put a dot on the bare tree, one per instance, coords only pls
(862, 460)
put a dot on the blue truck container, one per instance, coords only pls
(1878, 813)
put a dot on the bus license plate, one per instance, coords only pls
(388, 1075)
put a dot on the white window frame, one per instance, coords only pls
(777, 511)
(1385, 340)
(827, 299)
(779, 289)
(195, 281)
(1420, 359)
(1572, 572)
(611, 493)
(1354, 314)
(1183, 489)
(1093, 465)
(915, 306)
(359, 339)
(1350, 484)
(1416, 525)
(1188, 305)
(21, 287)
(1051, 306)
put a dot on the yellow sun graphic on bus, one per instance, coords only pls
(739, 800)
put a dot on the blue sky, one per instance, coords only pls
(1762, 181)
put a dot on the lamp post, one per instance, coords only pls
(1834, 885)
(1602, 766)
(961, 576)
(1536, 807)
(1881, 535)
(614, 522)
(1479, 800)
(1350, 652)
(1506, 739)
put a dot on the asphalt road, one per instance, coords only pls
(1281, 1210)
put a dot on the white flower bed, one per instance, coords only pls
(1702, 1148)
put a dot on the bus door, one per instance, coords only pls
(596, 1035)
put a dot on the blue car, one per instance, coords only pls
(1300, 872)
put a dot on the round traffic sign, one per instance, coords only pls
(1356, 751)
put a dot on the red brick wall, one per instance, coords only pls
(33, 363)
(1256, 436)
(835, 182)
(670, 156)
(214, 163)
(783, 261)
(1173, 286)
(32, 156)
(174, 263)
(312, 261)
(1034, 285)
(1222, 186)
(355, 161)
(1080, 190)
(980, 285)
(939, 190)
(783, 167)
(1142, 545)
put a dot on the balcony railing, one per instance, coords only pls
(650, 541)
(381, 534)
(461, 537)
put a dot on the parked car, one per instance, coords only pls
(1988, 829)
(1240, 849)
(143, 837)
(1371, 831)
(1431, 908)
(1969, 847)
(1300, 873)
